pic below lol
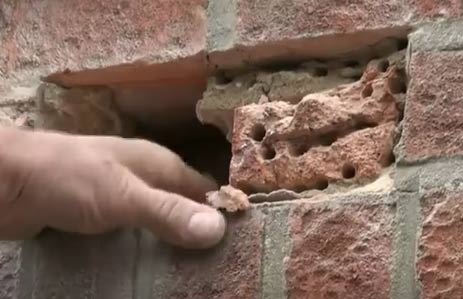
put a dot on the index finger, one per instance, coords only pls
(158, 166)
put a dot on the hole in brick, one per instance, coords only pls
(321, 184)
(348, 171)
(402, 44)
(397, 85)
(222, 79)
(362, 125)
(298, 149)
(357, 77)
(258, 132)
(320, 72)
(383, 65)
(328, 138)
(268, 152)
(367, 91)
(351, 63)
(299, 188)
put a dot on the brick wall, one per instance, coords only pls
(392, 232)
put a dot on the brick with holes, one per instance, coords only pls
(344, 134)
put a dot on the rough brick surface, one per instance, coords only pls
(433, 114)
(346, 133)
(340, 251)
(231, 271)
(221, 98)
(440, 246)
(90, 34)
(263, 20)
(9, 266)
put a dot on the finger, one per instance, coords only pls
(157, 166)
(173, 217)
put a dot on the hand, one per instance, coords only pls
(90, 185)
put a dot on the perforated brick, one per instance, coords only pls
(343, 134)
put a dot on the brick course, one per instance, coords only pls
(156, 56)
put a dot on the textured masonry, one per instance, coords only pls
(311, 94)
(346, 133)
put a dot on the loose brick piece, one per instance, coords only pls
(440, 263)
(433, 124)
(344, 134)
(340, 251)
(233, 270)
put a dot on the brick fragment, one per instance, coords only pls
(343, 134)
(340, 250)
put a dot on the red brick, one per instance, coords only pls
(232, 270)
(70, 34)
(278, 20)
(344, 134)
(49, 36)
(434, 111)
(425, 9)
(340, 251)
(440, 263)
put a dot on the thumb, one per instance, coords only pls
(173, 217)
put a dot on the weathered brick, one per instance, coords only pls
(341, 250)
(9, 266)
(344, 134)
(262, 31)
(55, 36)
(433, 124)
(440, 258)
(231, 270)
(69, 266)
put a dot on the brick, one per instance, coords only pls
(344, 134)
(9, 269)
(340, 250)
(71, 266)
(55, 36)
(220, 99)
(263, 31)
(231, 270)
(440, 259)
(433, 122)
(90, 111)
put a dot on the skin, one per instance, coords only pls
(95, 184)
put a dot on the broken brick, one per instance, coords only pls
(223, 95)
(343, 134)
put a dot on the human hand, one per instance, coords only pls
(94, 184)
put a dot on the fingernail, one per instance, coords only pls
(206, 228)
